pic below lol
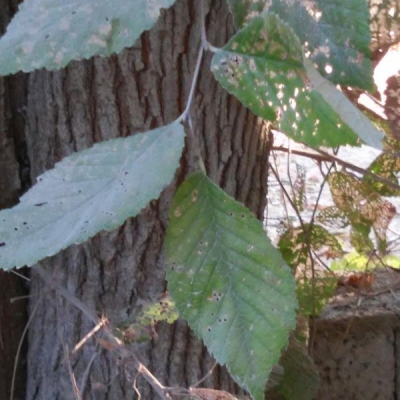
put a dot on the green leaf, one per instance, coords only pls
(335, 34)
(347, 111)
(300, 379)
(362, 206)
(391, 260)
(314, 293)
(352, 262)
(228, 281)
(51, 33)
(90, 191)
(262, 65)
(244, 10)
(294, 244)
(333, 218)
(387, 166)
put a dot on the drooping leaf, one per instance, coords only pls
(387, 166)
(51, 33)
(364, 208)
(90, 191)
(262, 65)
(228, 281)
(335, 34)
(348, 112)
(360, 240)
(332, 217)
(295, 242)
(313, 293)
(300, 378)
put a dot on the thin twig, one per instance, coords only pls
(20, 346)
(210, 371)
(19, 275)
(194, 83)
(324, 156)
(88, 335)
(139, 396)
(71, 374)
(85, 376)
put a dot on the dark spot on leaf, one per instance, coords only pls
(47, 36)
(2, 244)
(15, 229)
(73, 12)
(40, 204)
(209, 329)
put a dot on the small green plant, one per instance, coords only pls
(225, 277)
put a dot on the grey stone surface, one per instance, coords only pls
(356, 343)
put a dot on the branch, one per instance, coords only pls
(324, 156)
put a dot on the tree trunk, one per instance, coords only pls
(144, 87)
(13, 176)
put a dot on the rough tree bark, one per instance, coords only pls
(91, 101)
(12, 182)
